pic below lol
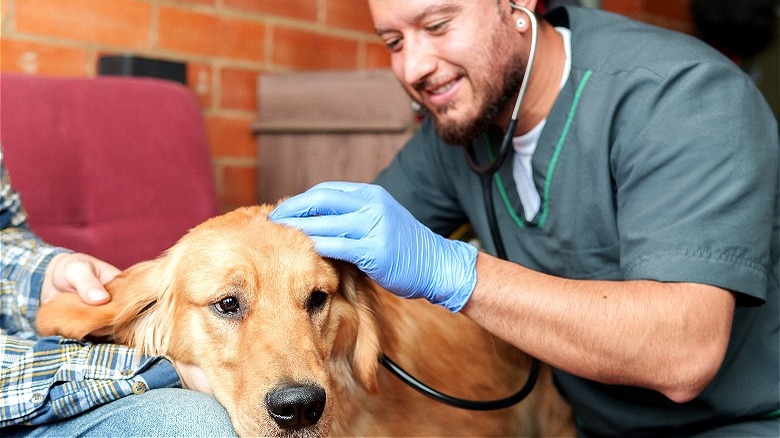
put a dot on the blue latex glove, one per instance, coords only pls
(362, 224)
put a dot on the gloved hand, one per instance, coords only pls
(362, 224)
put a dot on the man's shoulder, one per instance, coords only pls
(610, 43)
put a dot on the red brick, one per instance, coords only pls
(377, 56)
(26, 57)
(350, 14)
(122, 23)
(208, 34)
(299, 9)
(195, 2)
(311, 51)
(674, 10)
(239, 186)
(625, 7)
(238, 89)
(231, 137)
(680, 26)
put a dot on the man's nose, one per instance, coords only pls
(419, 60)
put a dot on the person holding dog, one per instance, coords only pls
(58, 387)
(627, 176)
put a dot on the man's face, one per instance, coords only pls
(455, 57)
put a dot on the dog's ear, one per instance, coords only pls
(143, 295)
(66, 315)
(134, 294)
(358, 340)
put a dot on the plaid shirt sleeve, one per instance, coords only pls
(48, 379)
(51, 378)
(24, 256)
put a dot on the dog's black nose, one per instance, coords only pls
(296, 407)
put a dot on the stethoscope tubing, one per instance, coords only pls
(473, 405)
(506, 142)
(486, 173)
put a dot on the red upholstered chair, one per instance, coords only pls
(116, 167)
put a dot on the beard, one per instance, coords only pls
(496, 97)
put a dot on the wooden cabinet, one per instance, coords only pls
(327, 125)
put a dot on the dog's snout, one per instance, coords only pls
(296, 407)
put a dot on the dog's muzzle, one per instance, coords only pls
(296, 406)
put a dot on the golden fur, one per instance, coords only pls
(287, 331)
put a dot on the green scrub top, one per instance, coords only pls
(659, 161)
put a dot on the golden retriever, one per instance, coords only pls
(290, 341)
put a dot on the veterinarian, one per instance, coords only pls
(58, 387)
(635, 201)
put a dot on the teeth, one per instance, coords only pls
(443, 88)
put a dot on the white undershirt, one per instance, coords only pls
(525, 145)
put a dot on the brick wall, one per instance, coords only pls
(225, 44)
(671, 14)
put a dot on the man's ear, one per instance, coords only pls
(528, 4)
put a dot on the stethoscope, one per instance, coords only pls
(486, 173)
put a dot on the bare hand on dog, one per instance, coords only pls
(79, 273)
(86, 275)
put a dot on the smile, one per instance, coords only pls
(442, 93)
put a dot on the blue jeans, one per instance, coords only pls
(161, 412)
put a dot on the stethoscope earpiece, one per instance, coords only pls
(492, 167)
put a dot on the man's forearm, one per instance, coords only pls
(670, 337)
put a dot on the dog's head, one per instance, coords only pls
(270, 322)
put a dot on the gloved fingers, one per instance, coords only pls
(339, 248)
(317, 201)
(367, 192)
(360, 253)
(349, 225)
(344, 186)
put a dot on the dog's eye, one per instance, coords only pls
(316, 301)
(227, 306)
